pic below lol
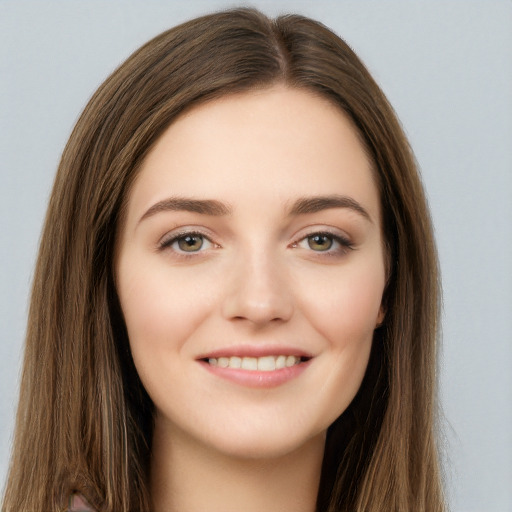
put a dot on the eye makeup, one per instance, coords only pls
(325, 243)
(189, 243)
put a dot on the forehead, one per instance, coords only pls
(272, 144)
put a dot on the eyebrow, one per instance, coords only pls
(315, 204)
(201, 206)
(302, 206)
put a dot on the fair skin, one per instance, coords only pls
(250, 316)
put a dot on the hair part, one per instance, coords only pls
(84, 421)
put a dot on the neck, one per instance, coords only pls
(186, 475)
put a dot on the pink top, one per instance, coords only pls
(77, 503)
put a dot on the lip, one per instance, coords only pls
(255, 378)
(256, 351)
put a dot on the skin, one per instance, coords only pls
(259, 279)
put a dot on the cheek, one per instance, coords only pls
(161, 311)
(346, 317)
(347, 312)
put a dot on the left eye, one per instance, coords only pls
(320, 242)
(324, 242)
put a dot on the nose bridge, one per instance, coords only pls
(258, 290)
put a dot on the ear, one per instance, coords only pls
(380, 316)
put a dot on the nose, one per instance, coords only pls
(258, 292)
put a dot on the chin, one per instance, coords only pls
(261, 446)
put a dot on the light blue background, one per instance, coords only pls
(446, 67)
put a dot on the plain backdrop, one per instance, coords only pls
(445, 66)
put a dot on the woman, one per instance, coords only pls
(235, 304)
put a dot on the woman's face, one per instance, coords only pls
(250, 271)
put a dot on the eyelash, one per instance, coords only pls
(344, 244)
(167, 243)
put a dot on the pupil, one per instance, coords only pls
(191, 243)
(320, 242)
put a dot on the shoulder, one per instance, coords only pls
(77, 503)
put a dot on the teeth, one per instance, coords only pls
(249, 363)
(280, 362)
(267, 364)
(235, 362)
(263, 364)
(291, 360)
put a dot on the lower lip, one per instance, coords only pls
(255, 378)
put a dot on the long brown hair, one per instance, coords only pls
(84, 421)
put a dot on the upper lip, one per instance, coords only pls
(256, 351)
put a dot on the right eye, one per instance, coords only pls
(187, 243)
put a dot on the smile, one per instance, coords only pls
(262, 364)
(256, 367)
